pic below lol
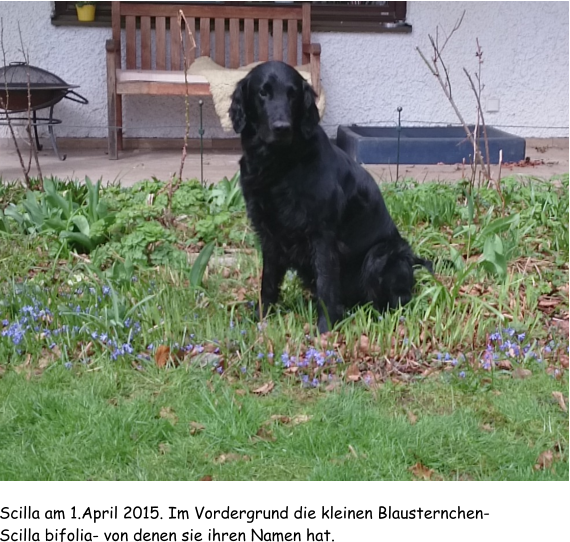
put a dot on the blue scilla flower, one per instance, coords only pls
(106, 290)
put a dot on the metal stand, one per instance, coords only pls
(201, 132)
(34, 122)
(398, 147)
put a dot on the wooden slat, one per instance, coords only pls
(234, 43)
(160, 36)
(189, 48)
(248, 32)
(306, 30)
(220, 41)
(131, 37)
(278, 39)
(174, 44)
(145, 43)
(292, 42)
(263, 40)
(204, 36)
(116, 20)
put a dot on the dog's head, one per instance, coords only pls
(274, 102)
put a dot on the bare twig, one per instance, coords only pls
(5, 105)
(175, 181)
(33, 149)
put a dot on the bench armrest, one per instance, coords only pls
(112, 46)
(312, 48)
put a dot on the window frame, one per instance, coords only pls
(325, 16)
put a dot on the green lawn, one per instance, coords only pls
(120, 361)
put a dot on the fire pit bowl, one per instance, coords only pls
(24, 87)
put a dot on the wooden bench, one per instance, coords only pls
(151, 61)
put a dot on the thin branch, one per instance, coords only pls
(33, 149)
(5, 107)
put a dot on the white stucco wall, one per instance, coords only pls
(365, 76)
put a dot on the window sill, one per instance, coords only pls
(104, 21)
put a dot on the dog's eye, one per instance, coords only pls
(262, 92)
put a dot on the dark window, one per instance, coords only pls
(326, 16)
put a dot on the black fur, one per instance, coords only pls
(313, 208)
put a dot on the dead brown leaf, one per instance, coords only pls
(168, 414)
(226, 458)
(412, 418)
(544, 460)
(265, 434)
(286, 420)
(196, 427)
(353, 373)
(559, 396)
(521, 373)
(421, 472)
(206, 478)
(241, 392)
(162, 355)
(486, 427)
(265, 389)
(546, 303)
(164, 448)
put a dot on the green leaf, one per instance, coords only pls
(200, 265)
(78, 238)
(82, 224)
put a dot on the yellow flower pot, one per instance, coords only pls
(85, 13)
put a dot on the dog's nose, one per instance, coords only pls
(281, 127)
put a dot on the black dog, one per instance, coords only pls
(314, 209)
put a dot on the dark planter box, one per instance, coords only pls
(433, 145)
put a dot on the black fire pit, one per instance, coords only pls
(24, 87)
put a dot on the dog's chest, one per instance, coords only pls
(283, 218)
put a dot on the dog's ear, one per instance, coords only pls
(237, 107)
(310, 112)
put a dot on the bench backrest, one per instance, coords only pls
(232, 36)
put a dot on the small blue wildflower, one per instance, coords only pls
(305, 379)
(92, 290)
(94, 335)
(447, 357)
(103, 337)
(5, 322)
(219, 369)
(52, 346)
(270, 355)
(128, 322)
(495, 336)
(134, 279)
(199, 348)
(67, 364)
(547, 349)
(509, 331)
(454, 362)
(243, 369)
(260, 355)
(285, 360)
(126, 349)
(521, 337)
(315, 382)
(486, 365)
(232, 325)
(137, 327)
(462, 374)
(78, 291)
(151, 347)
(106, 290)
(242, 332)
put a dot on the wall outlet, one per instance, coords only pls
(493, 105)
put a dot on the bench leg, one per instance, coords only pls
(112, 100)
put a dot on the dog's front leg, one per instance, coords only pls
(327, 271)
(273, 272)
